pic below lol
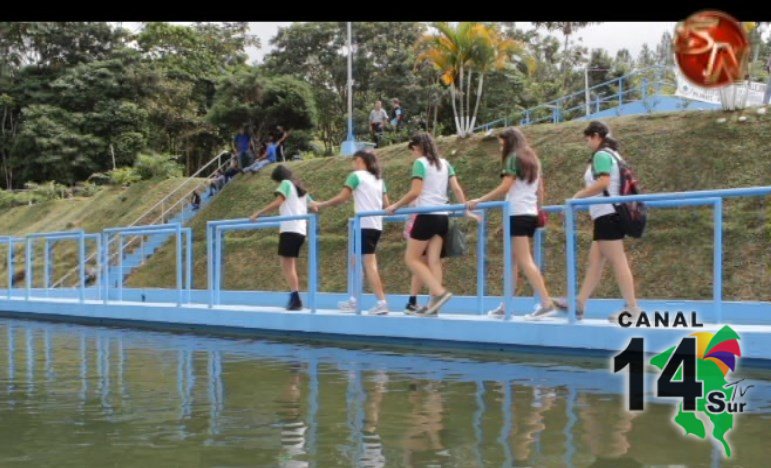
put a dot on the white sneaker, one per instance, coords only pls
(347, 305)
(381, 308)
(543, 312)
(498, 312)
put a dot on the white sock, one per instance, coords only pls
(382, 302)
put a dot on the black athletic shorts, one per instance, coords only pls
(289, 244)
(369, 240)
(427, 226)
(523, 225)
(608, 227)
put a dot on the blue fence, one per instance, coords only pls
(635, 86)
(217, 229)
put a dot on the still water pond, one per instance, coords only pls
(89, 396)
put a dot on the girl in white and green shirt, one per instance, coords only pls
(522, 182)
(368, 189)
(601, 178)
(291, 200)
(431, 177)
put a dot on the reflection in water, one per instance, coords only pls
(162, 396)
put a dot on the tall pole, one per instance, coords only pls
(350, 85)
(586, 90)
(349, 145)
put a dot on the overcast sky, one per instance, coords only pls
(611, 36)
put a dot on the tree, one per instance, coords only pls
(462, 53)
(249, 98)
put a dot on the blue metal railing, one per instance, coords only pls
(664, 200)
(484, 207)
(561, 109)
(216, 229)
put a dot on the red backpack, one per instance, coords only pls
(634, 215)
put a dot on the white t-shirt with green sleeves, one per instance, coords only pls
(435, 182)
(368, 193)
(292, 206)
(603, 163)
(523, 195)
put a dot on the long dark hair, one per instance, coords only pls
(598, 128)
(370, 160)
(514, 141)
(425, 142)
(282, 173)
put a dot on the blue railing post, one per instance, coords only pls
(717, 272)
(210, 270)
(217, 265)
(538, 248)
(46, 265)
(178, 235)
(10, 267)
(350, 265)
(189, 263)
(81, 267)
(508, 293)
(358, 264)
(105, 264)
(28, 268)
(571, 261)
(312, 263)
(481, 273)
(120, 266)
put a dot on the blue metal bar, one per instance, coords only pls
(136, 229)
(10, 267)
(219, 228)
(46, 265)
(72, 234)
(188, 261)
(538, 248)
(508, 292)
(481, 274)
(28, 268)
(358, 264)
(717, 263)
(737, 192)
(105, 264)
(312, 267)
(178, 236)
(120, 266)
(571, 262)
(82, 267)
(350, 265)
(210, 263)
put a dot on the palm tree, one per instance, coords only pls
(462, 53)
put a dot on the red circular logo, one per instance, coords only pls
(711, 49)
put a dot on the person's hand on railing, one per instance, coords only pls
(472, 215)
(314, 206)
(472, 204)
(255, 216)
(391, 209)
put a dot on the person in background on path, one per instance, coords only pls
(216, 182)
(377, 121)
(397, 115)
(195, 200)
(767, 95)
(243, 147)
(281, 137)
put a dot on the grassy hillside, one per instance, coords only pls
(670, 152)
(112, 206)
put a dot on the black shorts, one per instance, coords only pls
(369, 240)
(608, 227)
(427, 226)
(289, 244)
(523, 225)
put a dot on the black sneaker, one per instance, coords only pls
(411, 308)
(295, 303)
